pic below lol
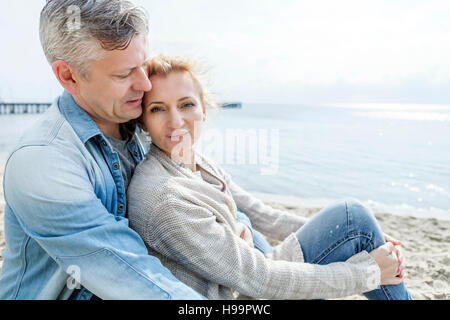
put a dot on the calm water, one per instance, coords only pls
(392, 158)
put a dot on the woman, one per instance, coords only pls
(184, 206)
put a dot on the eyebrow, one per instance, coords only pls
(131, 69)
(159, 102)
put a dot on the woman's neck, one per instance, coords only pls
(186, 157)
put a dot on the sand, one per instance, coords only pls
(426, 246)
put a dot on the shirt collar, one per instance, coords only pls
(80, 121)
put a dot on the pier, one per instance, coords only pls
(38, 107)
(23, 108)
(231, 105)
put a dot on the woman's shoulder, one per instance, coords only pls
(212, 165)
(150, 176)
(156, 180)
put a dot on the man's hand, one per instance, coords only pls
(245, 233)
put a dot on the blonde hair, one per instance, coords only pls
(163, 65)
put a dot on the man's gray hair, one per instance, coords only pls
(79, 31)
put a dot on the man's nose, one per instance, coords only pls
(142, 82)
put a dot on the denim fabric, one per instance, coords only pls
(340, 231)
(259, 241)
(65, 214)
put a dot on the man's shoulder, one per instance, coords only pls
(50, 130)
(45, 129)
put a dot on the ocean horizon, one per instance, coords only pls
(393, 158)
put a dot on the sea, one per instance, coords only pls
(393, 158)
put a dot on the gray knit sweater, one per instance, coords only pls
(190, 225)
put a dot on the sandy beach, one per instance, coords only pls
(426, 246)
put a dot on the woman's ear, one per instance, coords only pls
(65, 76)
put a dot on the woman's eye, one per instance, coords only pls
(155, 109)
(188, 105)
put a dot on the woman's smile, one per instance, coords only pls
(177, 135)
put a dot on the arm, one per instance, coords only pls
(274, 223)
(191, 235)
(53, 197)
(242, 218)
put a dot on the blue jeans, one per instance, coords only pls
(338, 232)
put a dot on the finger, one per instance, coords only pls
(400, 271)
(248, 237)
(388, 238)
(397, 252)
(239, 228)
(403, 262)
(394, 257)
(394, 242)
(401, 259)
(389, 247)
(394, 263)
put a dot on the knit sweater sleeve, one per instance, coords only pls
(193, 236)
(277, 224)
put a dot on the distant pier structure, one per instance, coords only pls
(39, 107)
(23, 108)
(232, 105)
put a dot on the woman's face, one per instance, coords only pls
(173, 113)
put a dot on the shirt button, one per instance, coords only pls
(116, 166)
(136, 153)
(104, 143)
(121, 207)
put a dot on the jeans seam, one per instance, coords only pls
(337, 244)
(386, 292)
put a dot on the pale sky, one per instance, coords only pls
(263, 51)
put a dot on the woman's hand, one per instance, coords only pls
(386, 258)
(245, 234)
(400, 258)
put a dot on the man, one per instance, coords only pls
(65, 184)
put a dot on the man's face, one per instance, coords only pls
(114, 89)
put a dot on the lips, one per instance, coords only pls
(136, 101)
(177, 135)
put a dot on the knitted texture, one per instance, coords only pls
(190, 225)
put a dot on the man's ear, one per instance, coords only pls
(65, 76)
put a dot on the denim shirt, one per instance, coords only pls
(65, 215)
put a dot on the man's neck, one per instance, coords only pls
(109, 129)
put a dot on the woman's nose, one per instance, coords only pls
(176, 119)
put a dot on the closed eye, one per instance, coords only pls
(123, 76)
